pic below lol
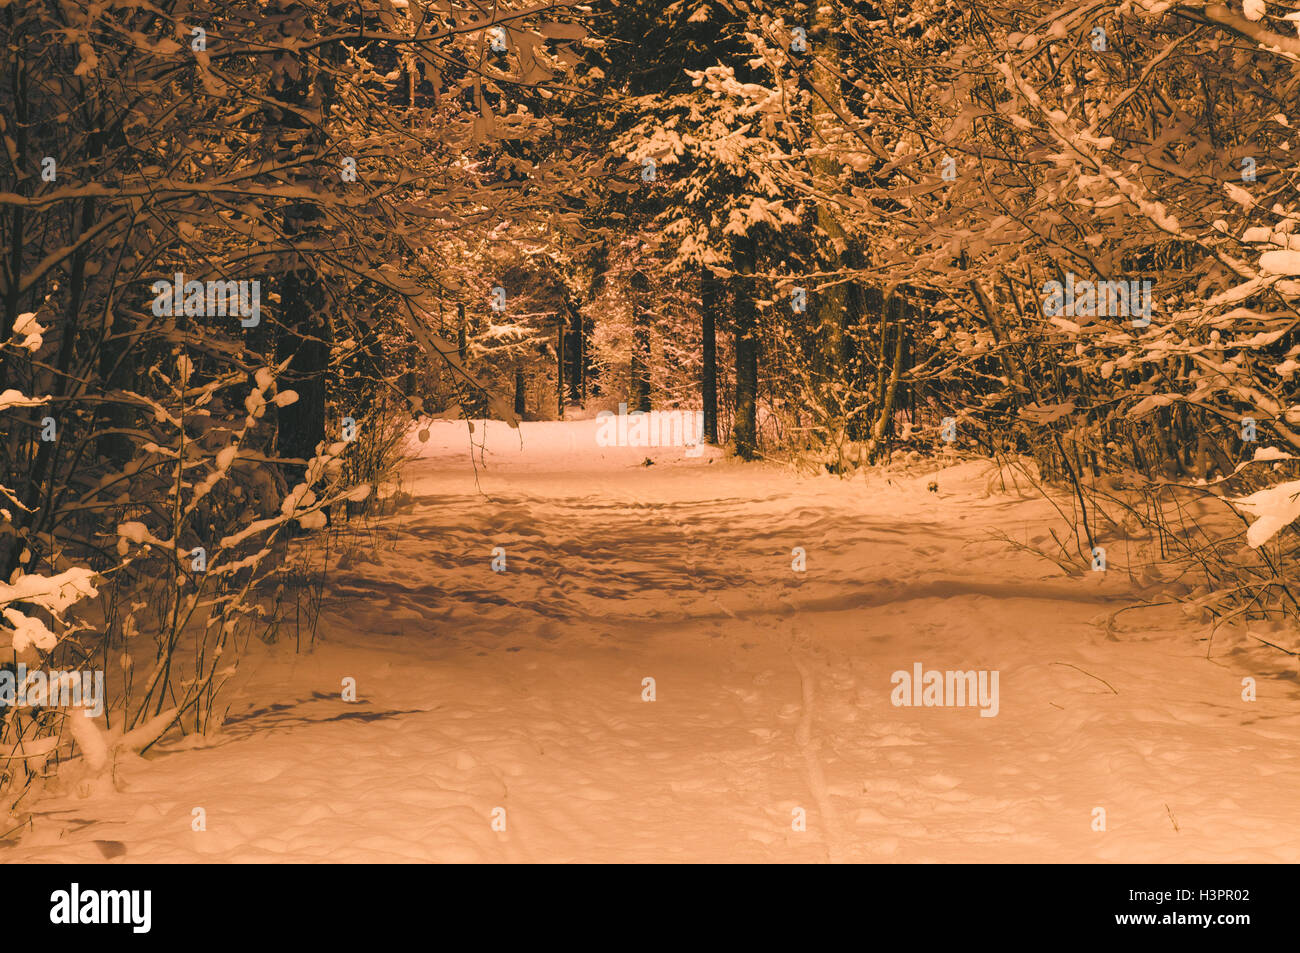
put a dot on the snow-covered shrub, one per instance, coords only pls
(149, 432)
(985, 159)
(35, 616)
(378, 448)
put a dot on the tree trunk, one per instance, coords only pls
(744, 429)
(599, 267)
(576, 350)
(301, 340)
(521, 391)
(857, 361)
(709, 376)
(640, 345)
(301, 337)
(827, 308)
(889, 384)
(559, 371)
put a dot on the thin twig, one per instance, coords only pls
(1089, 674)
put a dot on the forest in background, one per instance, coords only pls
(246, 246)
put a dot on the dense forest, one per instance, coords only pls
(247, 246)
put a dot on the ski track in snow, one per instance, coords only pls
(522, 690)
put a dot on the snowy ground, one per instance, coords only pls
(523, 689)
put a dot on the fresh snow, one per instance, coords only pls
(522, 690)
(1280, 262)
(1274, 509)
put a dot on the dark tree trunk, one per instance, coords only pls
(301, 340)
(744, 430)
(302, 334)
(857, 363)
(559, 370)
(471, 400)
(462, 341)
(709, 373)
(640, 344)
(641, 364)
(599, 265)
(576, 351)
(521, 391)
(584, 339)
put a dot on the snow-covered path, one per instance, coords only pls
(523, 689)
